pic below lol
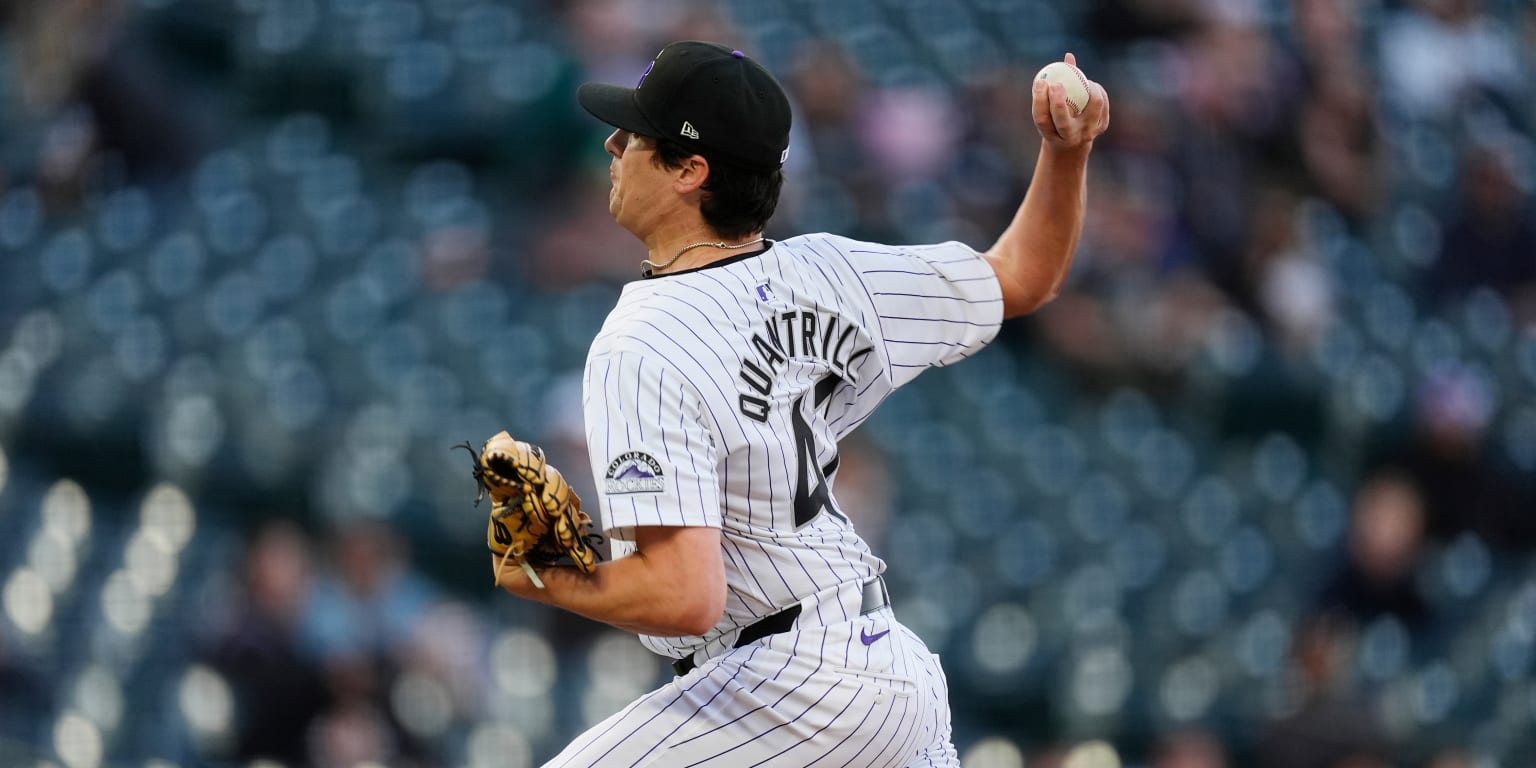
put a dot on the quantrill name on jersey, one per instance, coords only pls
(800, 333)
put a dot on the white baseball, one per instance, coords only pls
(1070, 78)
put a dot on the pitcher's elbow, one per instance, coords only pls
(1025, 303)
(701, 615)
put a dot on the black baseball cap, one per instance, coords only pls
(705, 96)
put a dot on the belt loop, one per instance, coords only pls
(875, 596)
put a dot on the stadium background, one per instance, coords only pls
(1259, 489)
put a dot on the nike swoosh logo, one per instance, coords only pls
(869, 639)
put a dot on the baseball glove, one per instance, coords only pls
(536, 518)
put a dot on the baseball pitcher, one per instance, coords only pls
(715, 396)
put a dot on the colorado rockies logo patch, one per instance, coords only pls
(633, 472)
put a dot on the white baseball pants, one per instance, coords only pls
(864, 693)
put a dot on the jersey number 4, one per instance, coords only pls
(812, 493)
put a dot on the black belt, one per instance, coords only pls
(875, 598)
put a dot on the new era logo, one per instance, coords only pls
(689, 130)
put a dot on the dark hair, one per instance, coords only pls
(737, 201)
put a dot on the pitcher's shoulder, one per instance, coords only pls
(821, 242)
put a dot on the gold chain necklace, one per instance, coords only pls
(650, 267)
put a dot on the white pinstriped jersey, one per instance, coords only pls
(716, 397)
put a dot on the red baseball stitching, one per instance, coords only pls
(1087, 93)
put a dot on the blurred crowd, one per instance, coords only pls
(1310, 218)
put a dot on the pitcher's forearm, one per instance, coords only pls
(1034, 254)
(622, 593)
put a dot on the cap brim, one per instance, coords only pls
(614, 105)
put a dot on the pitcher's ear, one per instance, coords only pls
(692, 176)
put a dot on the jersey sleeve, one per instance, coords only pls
(653, 459)
(936, 304)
